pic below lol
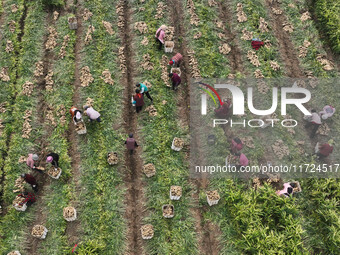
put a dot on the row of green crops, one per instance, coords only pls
(13, 224)
(8, 61)
(306, 31)
(102, 195)
(176, 235)
(328, 13)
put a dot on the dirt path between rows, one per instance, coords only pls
(133, 177)
(73, 228)
(286, 47)
(44, 181)
(207, 232)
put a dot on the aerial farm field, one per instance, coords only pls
(56, 54)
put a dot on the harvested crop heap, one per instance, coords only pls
(164, 66)
(61, 113)
(168, 211)
(19, 184)
(55, 15)
(27, 128)
(87, 14)
(14, 8)
(305, 16)
(176, 70)
(50, 116)
(120, 12)
(147, 230)
(224, 48)
(89, 102)
(17, 201)
(160, 10)
(145, 41)
(197, 35)
(288, 27)
(252, 57)
(112, 158)
(1, 127)
(80, 126)
(258, 74)
(219, 23)
(303, 49)
(246, 35)
(241, 16)
(194, 20)
(195, 73)
(52, 39)
(169, 33)
(49, 81)
(122, 59)
(149, 170)
(323, 129)
(222, 36)
(176, 191)
(212, 3)
(141, 27)
(263, 25)
(4, 75)
(178, 142)
(27, 88)
(147, 64)
(88, 37)
(301, 146)
(39, 69)
(11, 26)
(327, 65)
(280, 149)
(9, 46)
(14, 253)
(85, 76)
(274, 65)
(22, 159)
(52, 172)
(151, 110)
(267, 44)
(108, 27)
(262, 87)
(276, 11)
(3, 107)
(68, 212)
(248, 141)
(213, 195)
(62, 52)
(38, 230)
(106, 76)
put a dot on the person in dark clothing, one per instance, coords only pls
(131, 143)
(53, 158)
(223, 110)
(175, 79)
(139, 100)
(29, 198)
(31, 180)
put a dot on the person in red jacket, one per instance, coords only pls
(29, 198)
(139, 100)
(236, 145)
(31, 180)
(325, 150)
(175, 79)
(131, 143)
(223, 110)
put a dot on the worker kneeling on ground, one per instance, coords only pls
(53, 158)
(76, 115)
(176, 60)
(31, 162)
(29, 198)
(31, 180)
(223, 111)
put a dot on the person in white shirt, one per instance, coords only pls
(313, 121)
(92, 113)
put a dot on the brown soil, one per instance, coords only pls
(286, 46)
(235, 55)
(73, 228)
(133, 177)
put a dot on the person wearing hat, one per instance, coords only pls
(327, 112)
(131, 143)
(53, 158)
(160, 34)
(176, 60)
(31, 160)
(175, 79)
(92, 113)
(144, 90)
(30, 180)
(324, 150)
(138, 100)
(76, 115)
